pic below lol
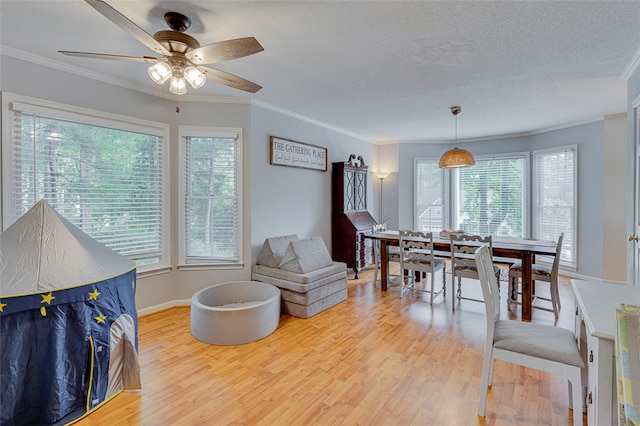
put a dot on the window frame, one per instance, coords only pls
(446, 190)
(212, 132)
(92, 117)
(535, 213)
(526, 176)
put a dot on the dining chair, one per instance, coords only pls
(628, 363)
(463, 263)
(539, 346)
(393, 255)
(539, 272)
(417, 257)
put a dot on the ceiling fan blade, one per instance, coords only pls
(229, 79)
(148, 59)
(225, 50)
(123, 22)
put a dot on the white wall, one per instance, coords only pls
(289, 200)
(277, 200)
(614, 260)
(388, 160)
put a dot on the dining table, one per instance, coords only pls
(503, 247)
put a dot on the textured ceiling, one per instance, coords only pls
(380, 70)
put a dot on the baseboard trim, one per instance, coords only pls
(163, 307)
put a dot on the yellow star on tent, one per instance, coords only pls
(2, 305)
(94, 295)
(101, 319)
(47, 298)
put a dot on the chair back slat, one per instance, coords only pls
(416, 249)
(556, 259)
(490, 289)
(463, 248)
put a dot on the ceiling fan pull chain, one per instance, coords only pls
(177, 106)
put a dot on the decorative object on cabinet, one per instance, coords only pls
(285, 152)
(350, 219)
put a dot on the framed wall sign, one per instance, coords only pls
(285, 152)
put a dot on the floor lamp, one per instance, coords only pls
(381, 176)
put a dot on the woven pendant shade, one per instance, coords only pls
(456, 157)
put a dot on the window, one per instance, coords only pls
(555, 198)
(103, 173)
(431, 203)
(211, 195)
(490, 197)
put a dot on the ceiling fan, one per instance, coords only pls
(183, 56)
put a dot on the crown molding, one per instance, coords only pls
(632, 67)
(71, 69)
(57, 65)
(304, 118)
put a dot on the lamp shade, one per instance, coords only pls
(195, 78)
(160, 72)
(177, 85)
(455, 158)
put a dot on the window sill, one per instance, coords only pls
(208, 266)
(153, 272)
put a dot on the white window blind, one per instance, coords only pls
(212, 198)
(555, 198)
(490, 197)
(431, 200)
(104, 179)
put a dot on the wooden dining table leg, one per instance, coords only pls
(384, 265)
(526, 286)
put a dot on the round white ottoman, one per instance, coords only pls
(234, 313)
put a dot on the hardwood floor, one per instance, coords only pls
(374, 359)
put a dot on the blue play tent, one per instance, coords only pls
(68, 321)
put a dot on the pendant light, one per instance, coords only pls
(456, 157)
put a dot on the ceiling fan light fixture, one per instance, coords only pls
(183, 58)
(177, 85)
(160, 72)
(195, 78)
(456, 157)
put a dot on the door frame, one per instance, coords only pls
(633, 217)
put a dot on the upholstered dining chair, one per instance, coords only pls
(628, 363)
(539, 346)
(539, 272)
(393, 254)
(463, 263)
(416, 257)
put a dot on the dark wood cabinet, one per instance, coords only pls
(350, 220)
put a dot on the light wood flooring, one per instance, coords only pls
(374, 359)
